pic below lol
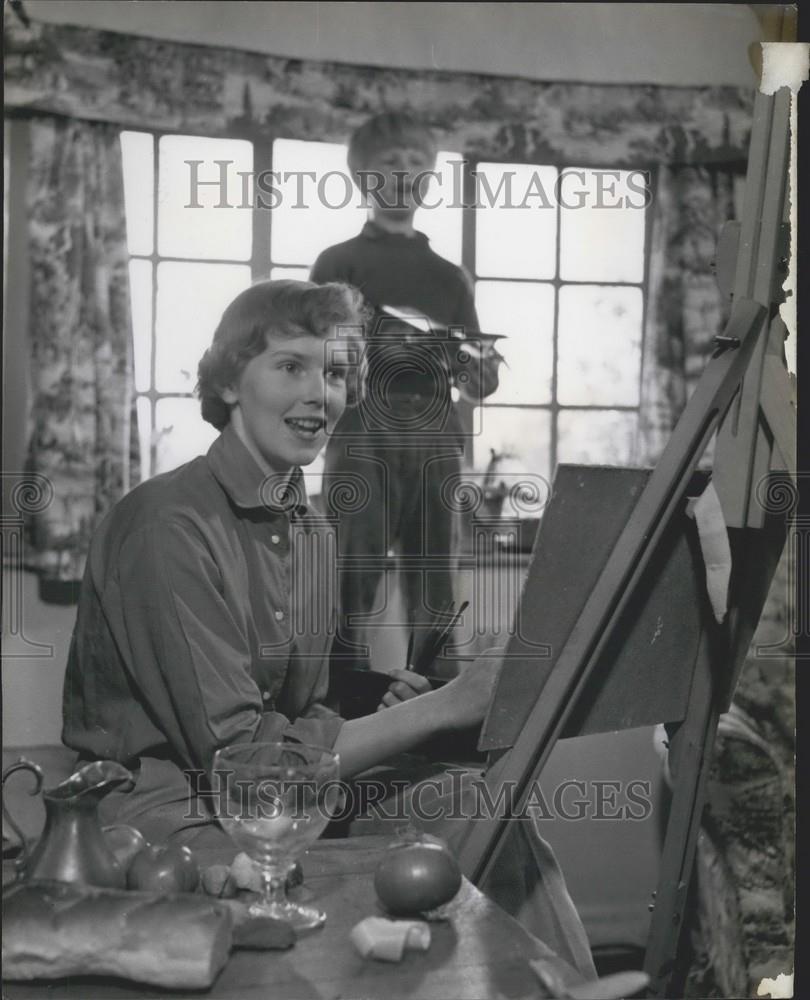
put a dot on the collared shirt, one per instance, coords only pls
(205, 617)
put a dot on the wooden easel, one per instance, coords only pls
(643, 570)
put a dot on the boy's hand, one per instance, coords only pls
(406, 685)
(482, 378)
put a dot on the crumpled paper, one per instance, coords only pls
(713, 534)
(388, 940)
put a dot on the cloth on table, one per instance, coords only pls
(526, 879)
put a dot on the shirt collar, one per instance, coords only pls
(372, 231)
(239, 474)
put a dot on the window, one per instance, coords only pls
(187, 263)
(185, 266)
(562, 278)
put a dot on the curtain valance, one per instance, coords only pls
(139, 82)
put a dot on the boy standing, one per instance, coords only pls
(405, 441)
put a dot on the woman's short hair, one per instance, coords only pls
(389, 130)
(286, 309)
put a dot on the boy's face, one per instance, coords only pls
(399, 190)
(286, 399)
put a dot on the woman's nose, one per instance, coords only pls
(316, 388)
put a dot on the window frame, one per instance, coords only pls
(261, 265)
(468, 250)
(259, 262)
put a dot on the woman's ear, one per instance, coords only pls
(229, 395)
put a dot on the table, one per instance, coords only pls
(479, 952)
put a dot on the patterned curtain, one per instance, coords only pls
(150, 83)
(685, 307)
(81, 429)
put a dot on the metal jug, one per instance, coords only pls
(72, 847)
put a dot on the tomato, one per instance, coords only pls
(164, 868)
(125, 842)
(417, 877)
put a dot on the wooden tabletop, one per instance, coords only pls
(478, 952)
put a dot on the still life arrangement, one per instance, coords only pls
(88, 900)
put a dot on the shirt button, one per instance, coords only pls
(275, 539)
(279, 616)
(265, 696)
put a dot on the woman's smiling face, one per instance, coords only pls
(286, 399)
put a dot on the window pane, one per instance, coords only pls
(144, 411)
(181, 433)
(190, 302)
(296, 273)
(223, 233)
(138, 155)
(525, 313)
(599, 242)
(442, 224)
(515, 221)
(599, 345)
(521, 437)
(140, 297)
(596, 437)
(312, 212)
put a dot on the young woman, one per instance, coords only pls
(188, 632)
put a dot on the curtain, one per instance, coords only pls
(149, 83)
(81, 431)
(685, 307)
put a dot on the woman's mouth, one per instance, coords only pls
(306, 427)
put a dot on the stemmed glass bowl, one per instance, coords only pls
(274, 800)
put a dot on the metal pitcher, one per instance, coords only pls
(72, 847)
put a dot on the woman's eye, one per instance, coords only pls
(336, 374)
(291, 366)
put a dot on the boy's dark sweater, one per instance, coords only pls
(392, 269)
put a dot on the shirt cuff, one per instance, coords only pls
(319, 732)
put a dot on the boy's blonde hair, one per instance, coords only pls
(389, 130)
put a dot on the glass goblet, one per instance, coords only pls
(274, 800)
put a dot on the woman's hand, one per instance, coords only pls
(406, 685)
(468, 695)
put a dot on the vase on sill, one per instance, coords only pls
(493, 493)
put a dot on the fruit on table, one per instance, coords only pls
(243, 874)
(125, 842)
(164, 868)
(416, 877)
(217, 881)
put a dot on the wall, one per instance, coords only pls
(34, 666)
(601, 42)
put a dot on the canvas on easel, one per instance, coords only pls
(616, 591)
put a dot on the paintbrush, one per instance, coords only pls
(445, 622)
